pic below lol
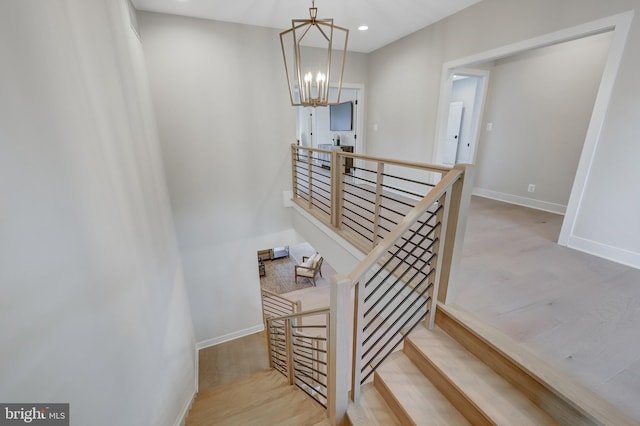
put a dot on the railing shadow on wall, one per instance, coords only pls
(405, 217)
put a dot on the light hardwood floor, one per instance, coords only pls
(579, 312)
(260, 399)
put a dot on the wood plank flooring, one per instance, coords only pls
(237, 387)
(578, 312)
(263, 398)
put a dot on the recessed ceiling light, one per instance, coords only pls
(363, 28)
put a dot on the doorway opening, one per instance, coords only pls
(467, 100)
(313, 126)
(618, 26)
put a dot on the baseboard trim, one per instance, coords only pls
(614, 254)
(228, 337)
(521, 201)
(182, 418)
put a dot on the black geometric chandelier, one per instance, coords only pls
(309, 71)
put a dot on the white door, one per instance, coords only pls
(306, 124)
(453, 133)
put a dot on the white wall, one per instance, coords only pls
(93, 309)
(540, 105)
(403, 93)
(226, 125)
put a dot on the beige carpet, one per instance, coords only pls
(280, 277)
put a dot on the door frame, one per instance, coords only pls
(619, 25)
(446, 88)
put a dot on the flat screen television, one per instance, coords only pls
(341, 117)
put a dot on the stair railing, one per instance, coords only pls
(274, 305)
(405, 216)
(298, 347)
(395, 289)
(362, 202)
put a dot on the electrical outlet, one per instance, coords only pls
(531, 188)
(489, 127)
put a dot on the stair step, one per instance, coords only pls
(564, 399)
(372, 409)
(475, 389)
(413, 398)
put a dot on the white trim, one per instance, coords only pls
(520, 201)
(360, 114)
(620, 25)
(228, 337)
(182, 417)
(567, 34)
(614, 254)
(196, 362)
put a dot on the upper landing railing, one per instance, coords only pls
(404, 217)
(363, 198)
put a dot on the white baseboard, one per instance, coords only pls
(615, 254)
(521, 201)
(182, 418)
(229, 337)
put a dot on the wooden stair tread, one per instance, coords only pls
(262, 398)
(372, 409)
(407, 389)
(559, 394)
(499, 401)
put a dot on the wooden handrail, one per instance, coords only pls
(267, 308)
(277, 296)
(301, 314)
(403, 163)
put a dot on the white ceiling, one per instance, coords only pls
(388, 20)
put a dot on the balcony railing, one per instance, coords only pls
(362, 197)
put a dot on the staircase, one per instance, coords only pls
(463, 372)
(409, 219)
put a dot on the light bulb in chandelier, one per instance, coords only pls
(317, 47)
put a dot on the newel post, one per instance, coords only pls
(339, 348)
(459, 199)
